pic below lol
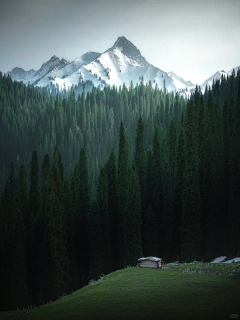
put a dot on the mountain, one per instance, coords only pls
(122, 63)
(180, 82)
(217, 76)
(20, 74)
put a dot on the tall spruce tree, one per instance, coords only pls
(156, 188)
(111, 169)
(102, 199)
(132, 221)
(122, 182)
(139, 155)
(33, 228)
(44, 267)
(82, 234)
(71, 234)
(149, 233)
(234, 200)
(57, 235)
(6, 245)
(179, 177)
(191, 201)
(96, 247)
(61, 261)
(19, 292)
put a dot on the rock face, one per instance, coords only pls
(128, 49)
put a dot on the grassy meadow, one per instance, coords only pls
(188, 291)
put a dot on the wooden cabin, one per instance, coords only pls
(150, 262)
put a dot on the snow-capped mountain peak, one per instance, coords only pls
(122, 63)
(217, 76)
(128, 49)
(53, 62)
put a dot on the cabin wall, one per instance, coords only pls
(148, 264)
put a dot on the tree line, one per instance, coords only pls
(148, 174)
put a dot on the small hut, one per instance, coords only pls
(150, 262)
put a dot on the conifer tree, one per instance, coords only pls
(71, 234)
(122, 182)
(179, 175)
(96, 247)
(5, 249)
(132, 221)
(156, 189)
(228, 122)
(82, 240)
(33, 227)
(234, 200)
(19, 292)
(172, 139)
(237, 105)
(102, 199)
(139, 155)
(44, 267)
(56, 223)
(23, 191)
(111, 169)
(191, 214)
(149, 228)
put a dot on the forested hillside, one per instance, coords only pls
(91, 183)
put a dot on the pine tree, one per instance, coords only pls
(71, 234)
(122, 182)
(111, 169)
(102, 199)
(82, 234)
(234, 201)
(191, 214)
(5, 249)
(44, 267)
(228, 124)
(149, 228)
(179, 172)
(56, 229)
(96, 247)
(132, 221)
(237, 105)
(139, 155)
(33, 228)
(156, 188)
(23, 191)
(19, 292)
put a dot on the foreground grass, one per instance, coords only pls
(179, 292)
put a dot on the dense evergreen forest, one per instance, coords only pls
(91, 183)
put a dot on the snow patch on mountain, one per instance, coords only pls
(180, 82)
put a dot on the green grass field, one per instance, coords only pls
(188, 291)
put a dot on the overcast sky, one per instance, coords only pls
(192, 38)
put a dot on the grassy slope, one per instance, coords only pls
(134, 293)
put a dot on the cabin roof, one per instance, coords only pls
(149, 258)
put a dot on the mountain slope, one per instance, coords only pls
(179, 292)
(122, 63)
(217, 76)
(180, 82)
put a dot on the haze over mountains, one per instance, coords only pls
(122, 63)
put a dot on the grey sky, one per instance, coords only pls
(192, 38)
